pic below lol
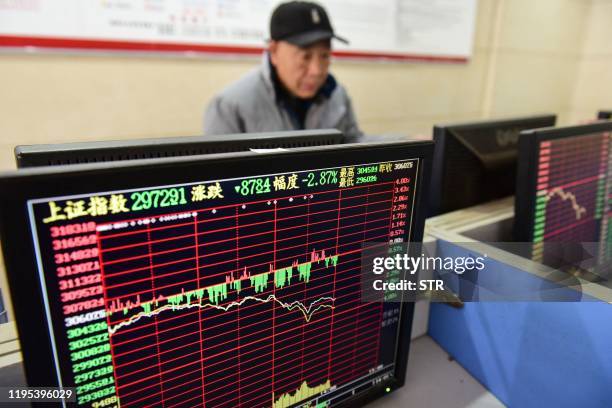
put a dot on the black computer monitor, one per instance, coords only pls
(230, 280)
(475, 162)
(604, 114)
(563, 192)
(114, 150)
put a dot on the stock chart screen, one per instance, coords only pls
(238, 292)
(573, 195)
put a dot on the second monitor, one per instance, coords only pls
(562, 205)
(475, 162)
(604, 114)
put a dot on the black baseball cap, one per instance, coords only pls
(301, 23)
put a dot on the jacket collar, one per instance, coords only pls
(266, 71)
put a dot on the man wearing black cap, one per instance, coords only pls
(293, 88)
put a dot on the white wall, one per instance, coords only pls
(529, 57)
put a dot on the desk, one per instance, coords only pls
(433, 380)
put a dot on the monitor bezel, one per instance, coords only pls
(29, 184)
(604, 115)
(526, 179)
(55, 154)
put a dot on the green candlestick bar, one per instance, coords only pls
(219, 292)
(259, 282)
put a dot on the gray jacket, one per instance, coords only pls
(250, 105)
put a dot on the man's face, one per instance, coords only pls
(301, 70)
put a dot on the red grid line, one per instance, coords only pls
(201, 330)
(366, 340)
(159, 367)
(342, 255)
(231, 368)
(220, 218)
(217, 327)
(341, 345)
(191, 258)
(331, 330)
(243, 307)
(249, 203)
(233, 385)
(126, 259)
(228, 351)
(231, 271)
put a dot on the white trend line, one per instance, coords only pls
(567, 196)
(306, 311)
